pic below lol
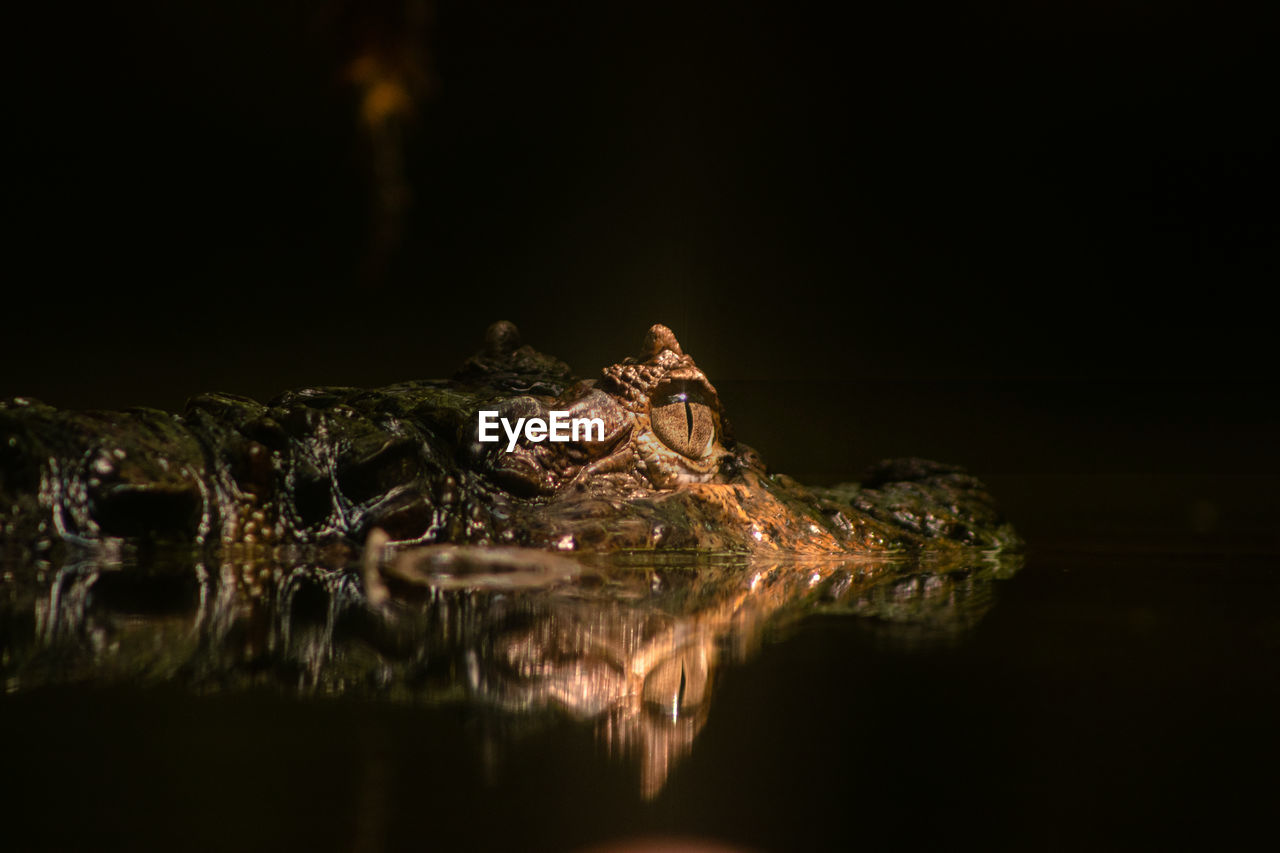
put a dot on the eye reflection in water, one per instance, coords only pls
(631, 643)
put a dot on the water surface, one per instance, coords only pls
(1109, 693)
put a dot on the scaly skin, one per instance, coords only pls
(325, 466)
(276, 500)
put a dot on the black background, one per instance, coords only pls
(1037, 239)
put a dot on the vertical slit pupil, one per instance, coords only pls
(688, 419)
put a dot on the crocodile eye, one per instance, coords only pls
(682, 421)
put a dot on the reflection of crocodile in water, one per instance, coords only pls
(606, 613)
(327, 465)
(631, 644)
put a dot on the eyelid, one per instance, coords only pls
(681, 391)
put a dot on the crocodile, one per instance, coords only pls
(367, 542)
(628, 643)
(324, 466)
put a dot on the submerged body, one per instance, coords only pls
(328, 465)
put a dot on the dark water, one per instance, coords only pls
(1109, 693)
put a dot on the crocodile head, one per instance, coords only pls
(668, 472)
(663, 427)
